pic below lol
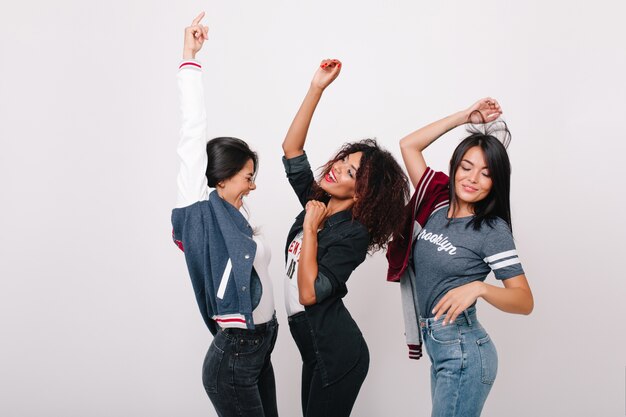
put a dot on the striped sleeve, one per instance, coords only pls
(188, 64)
(500, 254)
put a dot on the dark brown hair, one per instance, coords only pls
(381, 190)
(226, 157)
(493, 139)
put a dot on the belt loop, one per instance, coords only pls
(467, 317)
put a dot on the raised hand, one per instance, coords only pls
(195, 35)
(316, 213)
(327, 72)
(483, 111)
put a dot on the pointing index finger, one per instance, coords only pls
(197, 19)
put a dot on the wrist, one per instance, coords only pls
(189, 54)
(315, 89)
(460, 118)
(482, 289)
(310, 231)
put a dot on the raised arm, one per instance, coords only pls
(412, 145)
(293, 145)
(192, 183)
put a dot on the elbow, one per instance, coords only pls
(529, 305)
(529, 308)
(307, 299)
(291, 152)
(306, 295)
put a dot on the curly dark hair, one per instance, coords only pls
(381, 190)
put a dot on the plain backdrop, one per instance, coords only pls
(97, 314)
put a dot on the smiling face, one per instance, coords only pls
(472, 180)
(235, 188)
(340, 180)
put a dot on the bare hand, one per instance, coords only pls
(327, 72)
(484, 111)
(457, 300)
(316, 212)
(195, 35)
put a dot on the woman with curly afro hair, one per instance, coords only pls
(352, 208)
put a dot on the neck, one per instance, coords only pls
(462, 210)
(336, 205)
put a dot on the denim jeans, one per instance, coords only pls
(237, 373)
(464, 365)
(319, 399)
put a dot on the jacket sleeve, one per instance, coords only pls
(192, 182)
(432, 192)
(335, 267)
(300, 176)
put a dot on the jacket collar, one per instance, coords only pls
(339, 217)
(224, 210)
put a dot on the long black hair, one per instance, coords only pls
(493, 140)
(226, 157)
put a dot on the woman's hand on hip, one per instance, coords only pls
(195, 35)
(326, 73)
(457, 300)
(316, 212)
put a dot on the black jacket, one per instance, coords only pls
(341, 247)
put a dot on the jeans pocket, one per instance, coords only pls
(211, 368)
(445, 335)
(249, 345)
(488, 360)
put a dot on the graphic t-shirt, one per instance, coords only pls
(447, 255)
(292, 298)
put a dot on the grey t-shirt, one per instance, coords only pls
(446, 256)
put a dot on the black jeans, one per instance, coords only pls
(237, 373)
(336, 399)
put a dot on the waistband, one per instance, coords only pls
(467, 318)
(298, 317)
(258, 328)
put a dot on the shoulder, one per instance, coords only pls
(497, 226)
(357, 234)
(357, 229)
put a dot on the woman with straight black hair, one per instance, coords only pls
(227, 261)
(457, 230)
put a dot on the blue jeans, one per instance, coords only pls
(464, 365)
(237, 373)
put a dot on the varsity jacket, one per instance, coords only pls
(431, 194)
(215, 236)
(219, 250)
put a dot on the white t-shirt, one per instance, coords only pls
(292, 297)
(265, 310)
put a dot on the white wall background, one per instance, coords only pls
(97, 315)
